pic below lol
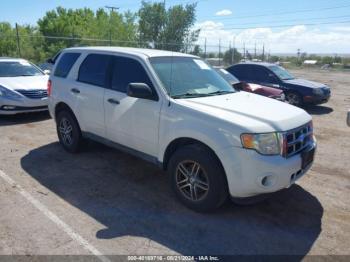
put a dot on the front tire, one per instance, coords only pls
(197, 178)
(294, 99)
(68, 131)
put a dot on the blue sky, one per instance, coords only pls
(218, 18)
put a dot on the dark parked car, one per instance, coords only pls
(298, 91)
(251, 88)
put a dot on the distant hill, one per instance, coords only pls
(318, 54)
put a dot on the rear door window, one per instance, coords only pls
(127, 70)
(242, 72)
(260, 74)
(94, 69)
(65, 64)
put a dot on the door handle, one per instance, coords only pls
(75, 91)
(113, 101)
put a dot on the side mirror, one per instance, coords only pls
(272, 79)
(50, 61)
(348, 118)
(47, 72)
(140, 90)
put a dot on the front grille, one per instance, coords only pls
(33, 94)
(298, 139)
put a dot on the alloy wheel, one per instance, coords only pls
(293, 99)
(66, 131)
(192, 180)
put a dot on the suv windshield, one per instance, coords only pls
(189, 77)
(282, 73)
(18, 68)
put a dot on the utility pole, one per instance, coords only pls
(244, 56)
(18, 45)
(219, 52)
(230, 51)
(263, 52)
(233, 49)
(205, 48)
(255, 50)
(112, 9)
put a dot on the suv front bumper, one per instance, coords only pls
(317, 99)
(250, 173)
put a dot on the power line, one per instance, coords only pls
(293, 20)
(275, 26)
(176, 2)
(281, 12)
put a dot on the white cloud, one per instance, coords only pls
(341, 28)
(311, 40)
(224, 12)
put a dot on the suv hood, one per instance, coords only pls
(304, 82)
(253, 113)
(25, 82)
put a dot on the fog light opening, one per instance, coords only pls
(9, 107)
(268, 181)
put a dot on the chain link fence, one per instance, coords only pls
(38, 48)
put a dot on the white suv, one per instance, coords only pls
(173, 109)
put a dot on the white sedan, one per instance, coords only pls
(23, 87)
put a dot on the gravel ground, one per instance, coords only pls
(102, 201)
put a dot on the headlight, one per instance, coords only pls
(7, 93)
(318, 91)
(266, 144)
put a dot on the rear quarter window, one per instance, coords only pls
(65, 64)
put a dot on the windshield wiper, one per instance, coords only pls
(189, 95)
(221, 92)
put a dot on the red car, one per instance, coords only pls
(252, 88)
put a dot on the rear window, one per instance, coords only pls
(93, 70)
(65, 64)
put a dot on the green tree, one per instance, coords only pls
(8, 46)
(212, 55)
(81, 27)
(274, 59)
(228, 56)
(197, 50)
(167, 29)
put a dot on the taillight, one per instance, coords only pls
(49, 87)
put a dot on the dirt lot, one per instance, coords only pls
(106, 202)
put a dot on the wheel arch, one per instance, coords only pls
(61, 106)
(184, 141)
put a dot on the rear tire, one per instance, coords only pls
(68, 131)
(197, 178)
(294, 99)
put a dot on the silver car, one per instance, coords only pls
(23, 87)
